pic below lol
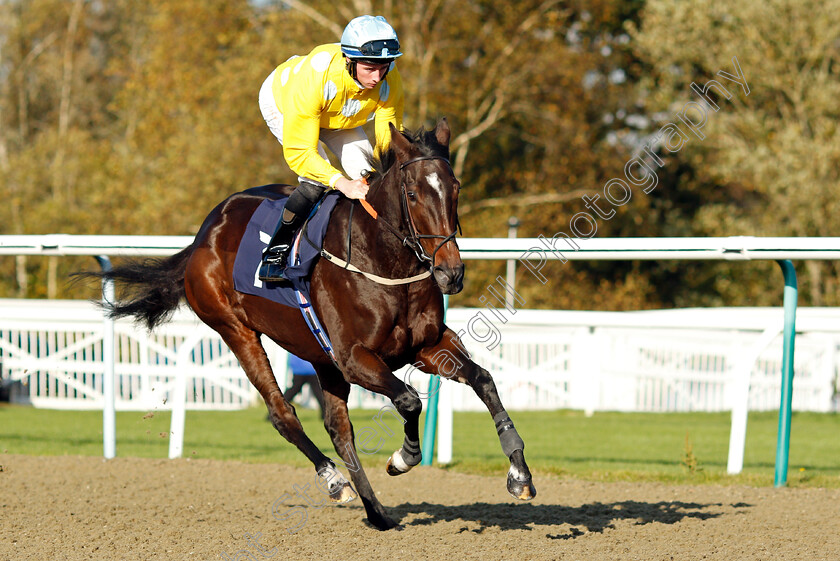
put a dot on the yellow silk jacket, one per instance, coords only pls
(316, 92)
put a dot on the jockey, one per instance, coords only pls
(326, 97)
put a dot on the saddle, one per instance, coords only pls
(306, 249)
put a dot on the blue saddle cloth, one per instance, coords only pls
(258, 233)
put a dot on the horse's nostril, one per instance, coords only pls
(449, 279)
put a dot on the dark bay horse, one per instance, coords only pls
(375, 328)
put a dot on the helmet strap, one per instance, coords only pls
(351, 67)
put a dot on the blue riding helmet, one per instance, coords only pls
(370, 38)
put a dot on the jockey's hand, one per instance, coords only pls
(353, 189)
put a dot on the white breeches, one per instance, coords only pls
(351, 146)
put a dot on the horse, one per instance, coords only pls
(376, 326)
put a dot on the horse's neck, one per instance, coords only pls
(373, 244)
(385, 197)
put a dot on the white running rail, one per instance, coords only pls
(532, 253)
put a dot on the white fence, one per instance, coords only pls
(534, 254)
(672, 360)
(56, 349)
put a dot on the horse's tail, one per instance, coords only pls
(151, 289)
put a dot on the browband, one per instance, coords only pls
(420, 158)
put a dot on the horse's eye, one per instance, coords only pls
(412, 196)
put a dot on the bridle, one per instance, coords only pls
(412, 241)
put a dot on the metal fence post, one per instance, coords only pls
(510, 272)
(109, 415)
(430, 426)
(785, 403)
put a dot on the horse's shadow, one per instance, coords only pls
(592, 517)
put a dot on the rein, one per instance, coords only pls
(412, 241)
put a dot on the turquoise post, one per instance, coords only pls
(430, 426)
(783, 438)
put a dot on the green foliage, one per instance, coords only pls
(769, 165)
(127, 117)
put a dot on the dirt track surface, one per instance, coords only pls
(88, 508)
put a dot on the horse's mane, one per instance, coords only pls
(423, 140)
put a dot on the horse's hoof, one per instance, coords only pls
(522, 490)
(343, 494)
(396, 464)
(338, 488)
(389, 467)
(383, 524)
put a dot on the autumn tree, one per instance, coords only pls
(769, 162)
(128, 117)
(54, 121)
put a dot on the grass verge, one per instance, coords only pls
(609, 446)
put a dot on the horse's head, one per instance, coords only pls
(429, 192)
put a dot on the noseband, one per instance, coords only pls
(413, 239)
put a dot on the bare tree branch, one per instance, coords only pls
(425, 54)
(64, 107)
(23, 100)
(319, 18)
(345, 11)
(463, 139)
(363, 7)
(36, 51)
(523, 200)
(67, 68)
(494, 91)
(491, 79)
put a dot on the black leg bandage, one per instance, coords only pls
(411, 452)
(511, 442)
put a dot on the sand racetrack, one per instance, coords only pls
(88, 508)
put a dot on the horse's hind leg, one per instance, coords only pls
(449, 360)
(340, 429)
(245, 344)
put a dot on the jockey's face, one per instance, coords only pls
(368, 75)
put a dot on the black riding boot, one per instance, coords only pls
(277, 253)
(297, 210)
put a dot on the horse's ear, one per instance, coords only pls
(442, 132)
(400, 144)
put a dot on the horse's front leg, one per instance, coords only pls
(340, 429)
(450, 360)
(409, 406)
(369, 371)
